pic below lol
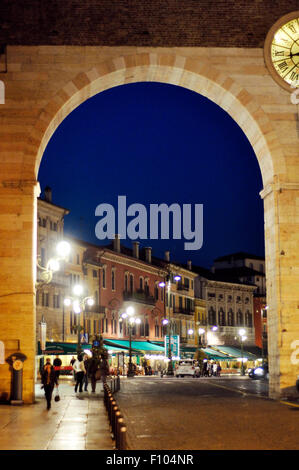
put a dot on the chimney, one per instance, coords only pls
(116, 243)
(48, 194)
(189, 264)
(167, 256)
(136, 250)
(148, 254)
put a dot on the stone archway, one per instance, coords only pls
(19, 190)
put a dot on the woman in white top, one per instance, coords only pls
(79, 372)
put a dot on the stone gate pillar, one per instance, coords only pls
(281, 204)
(17, 280)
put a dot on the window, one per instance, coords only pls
(113, 279)
(212, 316)
(240, 320)
(157, 329)
(141, 283)
(142, 330)
(146, 287)
(146, 327)
(248, 319)
(45, 299)
(78, 259)
(230, 318)
(126, 282)
(94, 273)
(221, 317)
(104, 277)
(156, 291)
(56, 301)
(131, 283)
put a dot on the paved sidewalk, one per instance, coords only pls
(77, 422)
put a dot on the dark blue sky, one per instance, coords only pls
(158, 143)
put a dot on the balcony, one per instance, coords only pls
(183, 287)
(139, 296)
(184, 311)
(94, 309)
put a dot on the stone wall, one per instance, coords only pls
(45, 83)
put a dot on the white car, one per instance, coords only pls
(187, 367)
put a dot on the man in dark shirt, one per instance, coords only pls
(49, 378)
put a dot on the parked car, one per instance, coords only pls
(187, 367)
(260, 372)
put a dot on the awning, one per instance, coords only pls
(60, 348)
(54, 348)
(234, 353)
(216, 355)
(141, 346)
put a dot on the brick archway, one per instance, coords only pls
(20, 160)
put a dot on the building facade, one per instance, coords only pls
(229, 307)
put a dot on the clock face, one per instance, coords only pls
(285, 52)
(282, 51)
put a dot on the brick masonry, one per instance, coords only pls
(156, 23)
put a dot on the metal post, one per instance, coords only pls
(242, 366)
(170, 367)
(130, 372)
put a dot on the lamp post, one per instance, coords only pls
(78, 304)
(163, 284)
(63, 249)
(132, 320)
(242, 339)
(201, 331)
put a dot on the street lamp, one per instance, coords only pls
(132, 321)
(242, 339)
(163, 284)
(78, 304)
(201, 331)
(63, 249)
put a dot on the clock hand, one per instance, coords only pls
(293, 55)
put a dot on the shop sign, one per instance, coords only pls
(174, 345)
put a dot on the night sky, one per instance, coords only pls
(158, 143)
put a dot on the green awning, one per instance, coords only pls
(53, 348)
(234, 353)
(215, 355)
(142, 346)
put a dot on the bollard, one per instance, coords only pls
(112, 404)
(117, 427)
(109, 408)
(114, 410)
(122, 439)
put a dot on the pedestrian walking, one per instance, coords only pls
(218, 369)
(57, 366)
(49, 379)
(85, 378)
(72, 362)
(80, 371)
(215, 369)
